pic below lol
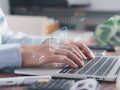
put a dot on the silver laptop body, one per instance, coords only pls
(102, 68)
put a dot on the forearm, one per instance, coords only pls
(9, 37)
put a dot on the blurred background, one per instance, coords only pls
(41, 17)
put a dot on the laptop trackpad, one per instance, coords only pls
(46, 70)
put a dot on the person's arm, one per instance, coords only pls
(15, 56)
(73, 54)
(7, 36)
(10, 56)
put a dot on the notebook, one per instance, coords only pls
(102, 68)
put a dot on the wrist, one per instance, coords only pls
(48, 40)
(28, 60)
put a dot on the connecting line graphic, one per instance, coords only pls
(57, 39)
(41, 59)
(60, 37)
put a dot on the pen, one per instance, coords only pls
(23, 80)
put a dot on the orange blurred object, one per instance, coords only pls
(52, 27)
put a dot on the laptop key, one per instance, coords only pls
(96, 66)
(87, 66)
(65, 69)
(77, 69)
(72, 71)
(105, 67)
(110, 68)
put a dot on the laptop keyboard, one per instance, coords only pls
(99, 66)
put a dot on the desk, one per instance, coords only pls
(104, 85)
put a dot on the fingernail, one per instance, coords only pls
(76, 66)
(85, 57)
(82, 62)
(93, 56)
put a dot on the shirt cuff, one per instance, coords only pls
(38, 40)
(10, 56)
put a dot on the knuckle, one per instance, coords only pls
(65, 60)
(70, 53)
(67, 53)
(82, 44)
(73, 47)
(77, 48)
(61, 58)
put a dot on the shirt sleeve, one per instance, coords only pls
(7, 36)
(10, 56)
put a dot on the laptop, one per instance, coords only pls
(103, 68)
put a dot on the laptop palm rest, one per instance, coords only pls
(37, 71)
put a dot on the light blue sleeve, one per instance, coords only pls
(10, 56)
(8, 36)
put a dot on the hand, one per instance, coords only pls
(72, 53)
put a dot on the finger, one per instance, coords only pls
(79, 51)
(72, 50)
(70, 55)
(85, 49)
(64, 59)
